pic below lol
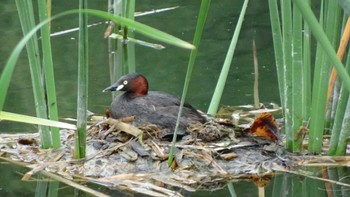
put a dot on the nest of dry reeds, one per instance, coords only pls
(121, 156)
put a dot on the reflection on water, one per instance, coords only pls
(12, 186)
(10, 181)
(282, 185)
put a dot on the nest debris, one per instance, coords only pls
(121, 156)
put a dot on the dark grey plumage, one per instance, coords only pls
(150, 106)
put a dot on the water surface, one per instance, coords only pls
(165, 69)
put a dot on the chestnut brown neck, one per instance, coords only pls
(139, 86)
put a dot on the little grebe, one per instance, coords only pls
(154, 107)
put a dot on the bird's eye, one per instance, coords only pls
(125, 82)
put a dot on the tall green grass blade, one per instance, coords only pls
(215, 101)
(123, 45)
(320, 63)
(345, 132)
(277, 45)
(120, 63)
(80, 135)
(341, 126)
(293, 68)
(338, 120)
(322, 69)
(298, 81)
(125, 56)
(287, 44)
(321, 37)
(306, 86)
(339, 115)
(113, 51)
(130, 14)
(122, 51)
(34, 120)
(49, 72)
(203, 12)
(26, 14)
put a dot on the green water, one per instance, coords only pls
(164, 69)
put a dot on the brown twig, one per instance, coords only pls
(256, 77)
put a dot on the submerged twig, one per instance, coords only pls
(74, 184)
(282, 169)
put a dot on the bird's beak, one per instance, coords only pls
(113, 87)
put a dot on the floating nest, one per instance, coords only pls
(121, 156)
